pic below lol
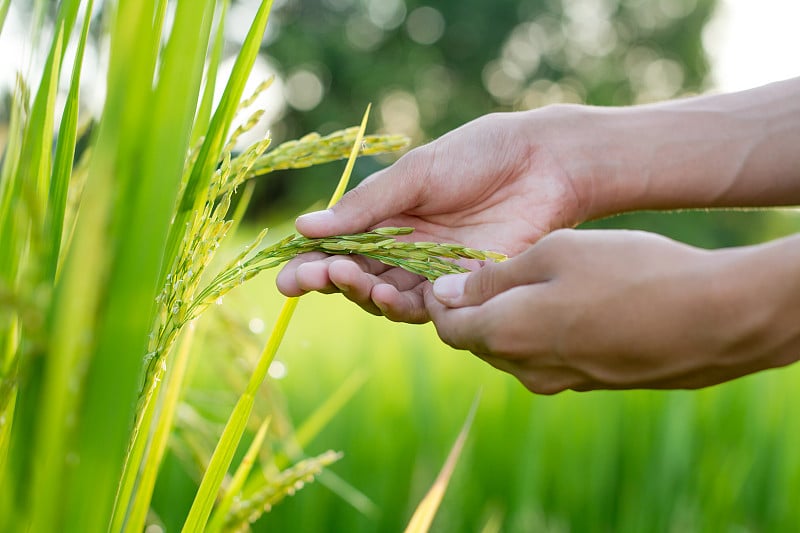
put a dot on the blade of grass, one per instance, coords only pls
(341, 187)
(9, 245)
(34, 177)
(67, 15)
(239, 477)
(7, 508)
(203, 118)
(332, 405)
(158, 445)
(313, 425)
(347, 492)
(35, 174)
(140, 152)
(423, 516)
(4, 4)
(6, 423)
(232, 434)
(64, 158)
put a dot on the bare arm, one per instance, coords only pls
(730, 150)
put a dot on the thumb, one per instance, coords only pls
(383, 195)
(478, 286)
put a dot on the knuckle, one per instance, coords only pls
(483, 284)
(416, 161)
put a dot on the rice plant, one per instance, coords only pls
(108, 261)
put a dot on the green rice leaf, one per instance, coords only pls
(11, 227)
(67, 15)
(232, 434)
(35, 173)
(237, 482)
(4, 4)
(423, 516)
(203, 118)
(320, 418)
(64, 158)
(33, 187)
(136, 168)
(341, 187)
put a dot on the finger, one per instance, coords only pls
(308, 272)
(461, 328)
(287, 281)
(386, 193)
(354, 283)
(479, 286)
(401, 306)
(394, 293)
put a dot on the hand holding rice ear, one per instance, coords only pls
(588, 310)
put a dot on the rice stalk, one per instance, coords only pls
(314, 149)
(232, 434)
(173, 386)
(428, 259)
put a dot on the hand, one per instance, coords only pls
(503, 181)
(621, 309)
(486, 185)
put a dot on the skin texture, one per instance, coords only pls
(578, 309)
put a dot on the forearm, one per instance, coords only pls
(739, 149)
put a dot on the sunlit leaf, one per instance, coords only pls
(426, 510)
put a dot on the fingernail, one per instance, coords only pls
(316, 217)
(450, 288)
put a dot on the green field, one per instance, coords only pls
(719, 459)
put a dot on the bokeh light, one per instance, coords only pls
(425, 25)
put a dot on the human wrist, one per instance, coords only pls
(755, 292)
(725, 150)
(594, 149)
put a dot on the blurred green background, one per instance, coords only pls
(721, 459)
